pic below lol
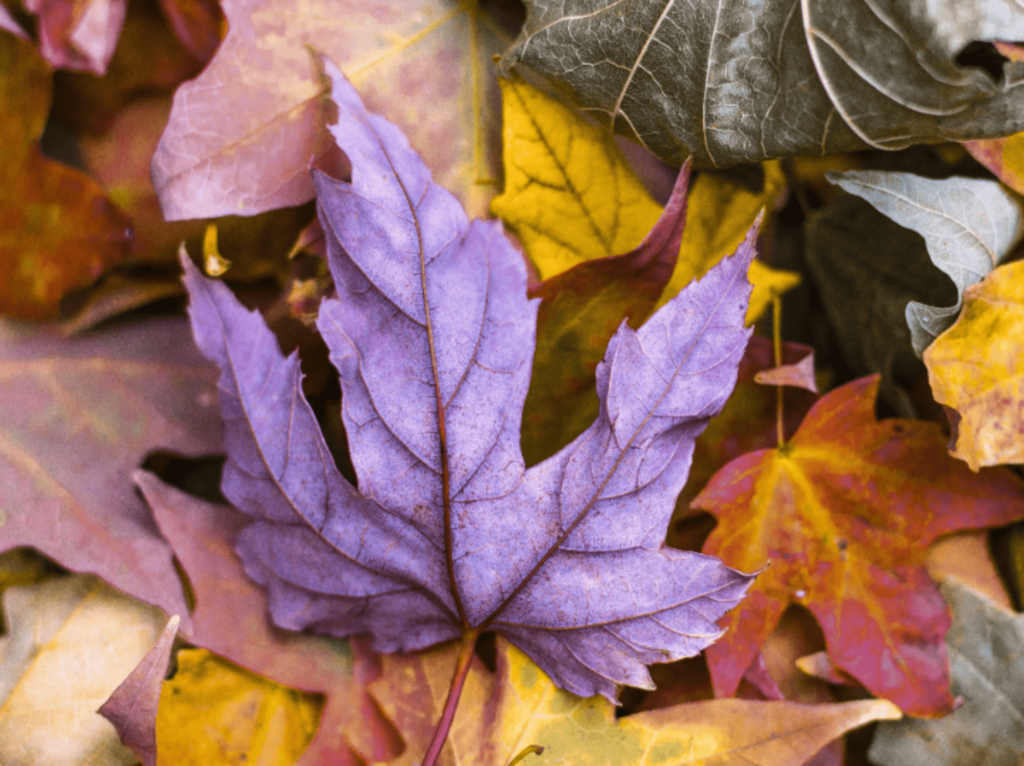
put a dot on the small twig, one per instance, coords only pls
(525, 752)
(777, 345)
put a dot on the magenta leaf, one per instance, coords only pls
(448, 534)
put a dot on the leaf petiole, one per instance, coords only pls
(525, 752)
(444, 724)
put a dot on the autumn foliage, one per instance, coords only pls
(436, 382)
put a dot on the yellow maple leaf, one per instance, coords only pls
(213, 712)
(570, 196)
(976, 367)
(504, 713)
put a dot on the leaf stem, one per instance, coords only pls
(777, 347)
(444, 724)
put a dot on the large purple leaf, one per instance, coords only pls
(433, 337)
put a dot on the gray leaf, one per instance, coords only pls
(968, 224)
(986, 650)
(736, 81)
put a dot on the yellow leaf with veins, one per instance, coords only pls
(976, 367)
(213, 712)
(503, 713)
(570, 196)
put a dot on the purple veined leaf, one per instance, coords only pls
(448, 534)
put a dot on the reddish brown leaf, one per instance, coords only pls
(58, 231)
(132, 708)
(231, 619)
(77, 416)
(199, 25)
(844, 514)
(149, 60)
(78, 34)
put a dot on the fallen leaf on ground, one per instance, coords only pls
(120, 160)
(844, 512)
(580, 311)
(77, 416)
(212, 712)
(1004, 157)
(241, 135)
(132, 708)
(58, 231)
(433, 344)
(78, 34)
(231, 618)
(519, 706)
(968, 225)
(986, 650)
(71, 641)
(800, 375)
(570, 196)
(732, 82)
(976, 367)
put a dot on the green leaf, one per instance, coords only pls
(988, 671)
(968, 225)
(732, 81)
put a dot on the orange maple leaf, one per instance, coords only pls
(844, 513)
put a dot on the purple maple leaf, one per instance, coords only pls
(448, 534)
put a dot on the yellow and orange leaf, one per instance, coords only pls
(976, 367)
(570, 196)
(58, 231)
(843, 514)
(502, 714)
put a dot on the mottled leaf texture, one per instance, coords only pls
(986, 651)
(976, 367)
(432, 334)
(70, 642)
(58, 232)
(77, 416)
(844, 513)
(241, 135)
(132, 708)
(968, 225)
(518, 706)
(737, 81)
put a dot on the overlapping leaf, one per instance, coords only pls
(58, 231)
(976, 367)
(231, 618)
(571, 197)
(241, 135)
(70, 643)
(519, 706)
(78, 34)
(77, 417)
(212, 712)
(432, 334)
(844, 513)
(985, 647)
(968, 225)
(736, 82)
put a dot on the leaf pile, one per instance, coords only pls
(707, 450)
